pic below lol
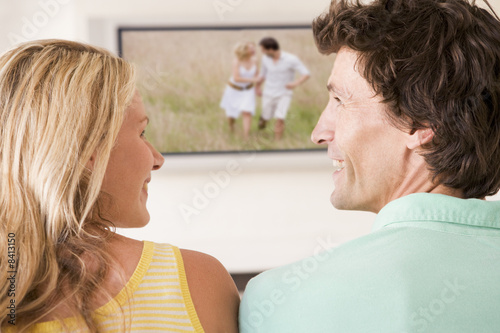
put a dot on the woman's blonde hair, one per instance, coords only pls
(61, 102)
(242, 50)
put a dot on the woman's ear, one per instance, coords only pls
(90, 162)
(420, 137)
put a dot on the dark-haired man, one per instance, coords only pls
(413, 129)
(278, 70)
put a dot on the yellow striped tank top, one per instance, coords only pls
(160, 300)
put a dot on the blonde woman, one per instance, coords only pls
(239, 95)
(75, 164)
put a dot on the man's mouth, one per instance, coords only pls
(338, 165)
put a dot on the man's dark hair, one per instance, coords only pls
(269, 43)
(436, 63)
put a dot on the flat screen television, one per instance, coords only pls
(182, 73)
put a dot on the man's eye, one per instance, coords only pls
(338, 100)
(143, 133)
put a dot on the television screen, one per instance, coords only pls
(186, 77)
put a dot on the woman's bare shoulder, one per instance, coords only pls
(126, 247)
(213, 291)
(127, 252)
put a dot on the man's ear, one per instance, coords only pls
(420, 137)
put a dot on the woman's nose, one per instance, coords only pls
(158, 159)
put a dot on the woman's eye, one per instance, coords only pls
(143, 133)
(338, 100)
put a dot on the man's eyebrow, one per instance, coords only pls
(333, 89)
(144, 119)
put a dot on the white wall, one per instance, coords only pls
(36, 19)
(275, 208)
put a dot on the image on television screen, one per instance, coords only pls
(183, 76)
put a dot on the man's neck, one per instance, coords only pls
(415, 177)
(419, 180)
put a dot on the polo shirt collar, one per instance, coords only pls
(431, 207)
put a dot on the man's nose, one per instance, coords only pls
(324, 131)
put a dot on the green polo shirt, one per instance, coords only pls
(431, 264)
